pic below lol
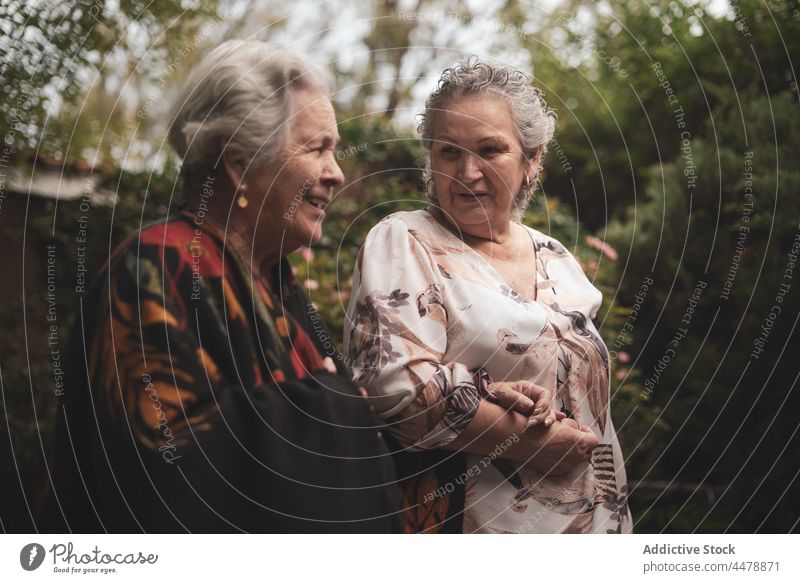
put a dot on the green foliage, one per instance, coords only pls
(718, 204)
(66, 67)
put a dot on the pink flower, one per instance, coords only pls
(593, 265)
(306, 253)
(602, 246)
(623, 357)
(311, 284)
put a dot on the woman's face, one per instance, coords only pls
(299, 185)
(477, 162)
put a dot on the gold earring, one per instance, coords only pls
(241, 200)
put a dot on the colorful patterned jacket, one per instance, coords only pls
(197, 400)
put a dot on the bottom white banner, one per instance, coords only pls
(374, 558)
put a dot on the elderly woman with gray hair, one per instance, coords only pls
(473, 333)
(198, 398)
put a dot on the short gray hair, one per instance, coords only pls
(535, 122)
(241, 90)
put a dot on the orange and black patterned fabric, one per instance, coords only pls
(197, 400)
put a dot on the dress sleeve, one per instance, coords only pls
(396, 340)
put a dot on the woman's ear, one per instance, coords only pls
(234, 168)
(532, 170)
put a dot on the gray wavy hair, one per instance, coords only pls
(241, 92)
(535, 122)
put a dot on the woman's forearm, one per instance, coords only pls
(491, 426)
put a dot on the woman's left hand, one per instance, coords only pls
(526, 398)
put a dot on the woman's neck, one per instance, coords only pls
(239, 236)
(494, 236)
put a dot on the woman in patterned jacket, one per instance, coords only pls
(198, 398)
(459, 307)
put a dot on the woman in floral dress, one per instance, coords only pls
(458, 308)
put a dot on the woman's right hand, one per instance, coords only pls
(555, 449)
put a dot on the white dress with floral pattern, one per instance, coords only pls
(428, 312)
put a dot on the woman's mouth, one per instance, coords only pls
(318, 202)
(472, 197)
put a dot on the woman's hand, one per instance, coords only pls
(550, 448)
(329, 365)
(526, 398)
(558, 448)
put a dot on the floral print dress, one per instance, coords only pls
(428, 320)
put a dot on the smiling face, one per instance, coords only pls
(477, 163)
(297, 187)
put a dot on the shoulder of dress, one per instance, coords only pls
(409, 219)
(413, 228)
(173, 232)
(397, 224)
(169, 246)
(419, 224)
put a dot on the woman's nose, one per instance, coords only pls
(470, 168)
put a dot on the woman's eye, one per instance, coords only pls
(490, 151)
(449, 151)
